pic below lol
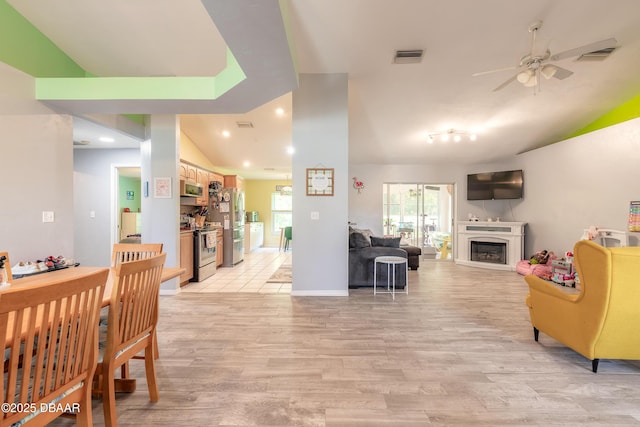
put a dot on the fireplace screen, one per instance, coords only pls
(495, 253)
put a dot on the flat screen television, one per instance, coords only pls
(495, 185)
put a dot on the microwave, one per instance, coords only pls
(190, 189)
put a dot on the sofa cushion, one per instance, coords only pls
(358, 240)
(387, 242)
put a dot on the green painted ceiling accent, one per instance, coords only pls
(58, 77)
(132, 88)
(24, 47)
(627, 111)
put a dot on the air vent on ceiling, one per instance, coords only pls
(413, 56)
(244, 125)
(597, 55)
(83, 142)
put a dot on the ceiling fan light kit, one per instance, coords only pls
(533, 65)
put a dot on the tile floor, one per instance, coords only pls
(250, 275)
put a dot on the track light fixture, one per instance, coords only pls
(451, 134)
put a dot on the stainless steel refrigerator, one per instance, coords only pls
(228, 209)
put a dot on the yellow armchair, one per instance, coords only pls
(602, 320)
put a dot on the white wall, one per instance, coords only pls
(570, 185)
(36, 172)
(320, 138)
(92, 190)
(587, 180)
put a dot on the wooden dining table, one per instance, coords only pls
(70, 273)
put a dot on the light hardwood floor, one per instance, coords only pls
(457, 351)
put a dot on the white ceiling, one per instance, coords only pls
(391, 107)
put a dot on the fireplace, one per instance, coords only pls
(492, 252)
(495, 245)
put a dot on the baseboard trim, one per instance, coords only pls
(327, 293)
(170, 292)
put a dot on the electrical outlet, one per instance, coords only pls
(315, 215)
(47, 216)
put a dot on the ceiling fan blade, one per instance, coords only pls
(602, 44)
(503, 85)
(561, 73)
(482, 73)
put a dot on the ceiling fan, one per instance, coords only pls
(537, 64)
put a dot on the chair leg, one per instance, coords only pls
(150, 370)
(109, 398)
(536, 333)
(594, 365)
(84, 416)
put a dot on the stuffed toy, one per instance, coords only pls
(540, 257)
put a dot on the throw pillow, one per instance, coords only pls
(366, 232)
(387, 242)
(358, 240)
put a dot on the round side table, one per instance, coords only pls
(390, 262)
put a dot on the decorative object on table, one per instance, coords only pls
(358, 185)
(634, 216)
(320, 181)
(4, 274)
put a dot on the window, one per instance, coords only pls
(281, 211)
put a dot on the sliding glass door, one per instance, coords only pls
(421, 214)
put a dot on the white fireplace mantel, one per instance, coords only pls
(509, 233)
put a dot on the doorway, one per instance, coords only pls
(421, 214)
(126, 204)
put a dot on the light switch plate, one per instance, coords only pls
(315, 215)
(47, 216)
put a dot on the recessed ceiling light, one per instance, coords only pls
(106, 139)
(290, 150)
(226, 133)
(246, 164)
(280, 111)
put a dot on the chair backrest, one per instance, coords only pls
(7, 265)
(609, 290)
(133, 312)
(50, 336)
(125, 252)
(288, 233)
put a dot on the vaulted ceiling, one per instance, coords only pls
(392, 107)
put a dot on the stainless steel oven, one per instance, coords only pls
(204, 256)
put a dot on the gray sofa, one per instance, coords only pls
(363, 249)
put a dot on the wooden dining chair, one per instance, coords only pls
(124, 252)
(50, 336)
(7, 265)
(133, 316)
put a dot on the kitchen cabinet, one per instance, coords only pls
(202, 178)
(186, 256)
(183, 171)
(234, 181)
(253, 236)
(219, 248)
(192, 173)
(130, 223)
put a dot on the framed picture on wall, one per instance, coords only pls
(320, 181)
(162, 188)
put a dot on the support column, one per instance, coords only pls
(160, 157)
(320, 223)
